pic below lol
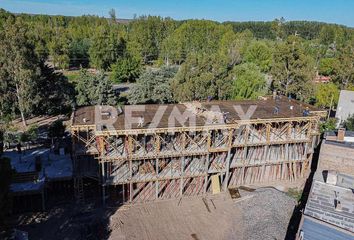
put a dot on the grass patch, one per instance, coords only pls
(72, 76)
(295, 193)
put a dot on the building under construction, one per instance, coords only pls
(166, 155)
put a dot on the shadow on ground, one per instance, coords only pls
(297, 213)
(68, 220)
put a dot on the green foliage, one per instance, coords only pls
(55, 93)
(19, 70)
(349, 123)
(329, 125)
(261, 30)
(327, 95)
(126, 69)
(328, 66)
(146, 36)
(199, 77)
(350, 87)
(94, 89)
(248, 82)
(153, 86)
(56, 129)
(259, 53)
(59, 49)
(106, 47)
(209, 54)
(345, 73)
(330, 34)
(294, 193)
(293, 70)
(78, 51)
(232, 47)
(32, 132)
(192, 37)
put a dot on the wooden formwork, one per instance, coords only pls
(160, 163)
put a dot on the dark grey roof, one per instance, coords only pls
(334, 133)
(313, 230)
(340, 144)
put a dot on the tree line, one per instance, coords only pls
(169, 60)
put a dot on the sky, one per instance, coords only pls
(331, 11)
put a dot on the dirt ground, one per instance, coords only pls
(263, 214)
(195, 218)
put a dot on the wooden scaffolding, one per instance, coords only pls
(160, 163)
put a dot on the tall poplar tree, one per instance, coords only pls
(19, 69)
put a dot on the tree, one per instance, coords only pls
(349, 123)
(259, 53)
(232, 47)
(56, 95)
(193, 37)
(112, 14)
(19, 69)
(56, 129)
(146, 35)
(59, 49)
(153, 86)
(329, 125)
(199, 77)
(248, 82)
(331, 34)
(94, 89)
(292, 70)
(328, 66)
(106, 47)
(126, 69)
(345, 73)
(327, 95)
(78, 52)
(278, 28)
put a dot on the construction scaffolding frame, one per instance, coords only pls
(161, 163)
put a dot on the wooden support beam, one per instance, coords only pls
(207, 160)
(157, 176)
(268, 127)
(103, 185)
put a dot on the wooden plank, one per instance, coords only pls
(215, 184)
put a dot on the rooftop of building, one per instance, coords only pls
(54, 167)
(331, 200)
(159, 115)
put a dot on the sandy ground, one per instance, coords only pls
(263, 214)
(214, 217)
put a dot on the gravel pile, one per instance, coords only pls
(266, 214)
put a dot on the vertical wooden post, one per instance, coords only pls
(103, 184)
(206, 173)
(268, 133)
(157, 181)
(182, 175)
(228, 158)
